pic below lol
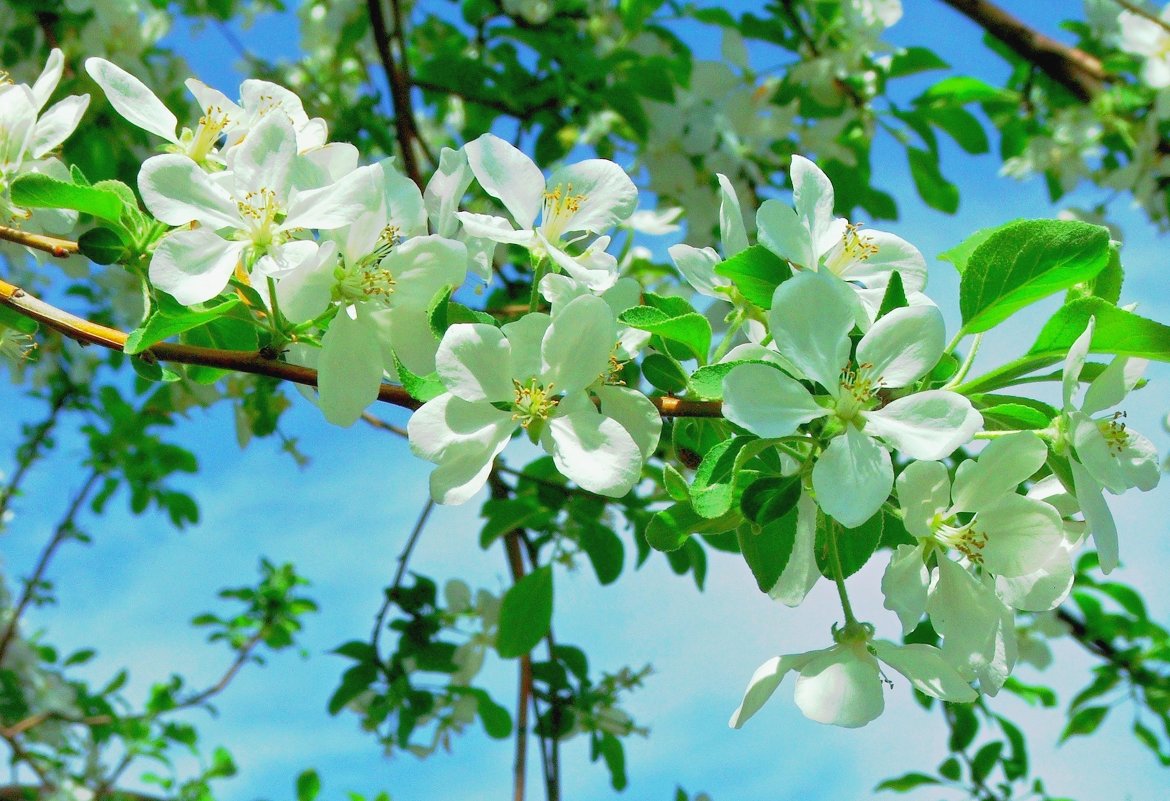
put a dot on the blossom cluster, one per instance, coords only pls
(838, 371)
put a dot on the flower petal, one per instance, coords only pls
(812, 196)
(264, 159)
(194, 266)
(421, 266)
(1022, 534)
(1113, 384)
(507, 175)
(732, 232)
(697, 266)
(474, 361)
(46, 82)
(763, 683)
(177, 192)
(132, 99)
(526, 336)
(446, 189)
(57, 124)
(852, 478)
(926, 425)
(811, 317)
(904, 585)
(578, 344)
(1042, 590)
(606, 195)
(305, 292)
(1075, 361)
(781, 230)
(1097, 516)
(349, 370)
(801, 572)
(1002, 466)
(978, 630)
(924, 491)
(904, 345)
(767, 402)
(841, 686)
(594, 451)
(635, 413)
(926, 669)
(463, 438)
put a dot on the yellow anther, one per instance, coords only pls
(534, 402)
(1113, 429)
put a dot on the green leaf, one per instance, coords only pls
(102, 246)
(170, 318)
(855, 545)
(442, 313)
(895, 296)
(985, 760)
(38, 191)
(1013, 417)
(525, 613)
(915, 59)
(960, 254)
(605, 551)
(676, 486)
(614, 755)
(964, 728)
(1106, 284)
(1084, 722)
(421, 388)
(907, 782)
(1025, 261)
(1117, 331)
(767, 548)
(496, 720)
(691, 329)
(664, 373)
(308, 786)
(153, 370)
(756, 272)
(14, 320)
(222, 333)
(962, 126)
(707, 382)
(770, 498)
(960, 90)
(936, 191)
(670, 528)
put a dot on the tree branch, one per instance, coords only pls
(28, 452)
(61, 248)
(400, 573)
(1077, 71)
(88, 332)
(399, 79)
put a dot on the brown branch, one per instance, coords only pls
(1077, 71)
(377, 422)
(88, 332)
(398, 76)
(63, 531)
(30, 451)
(60, 248)
(403, 560)
(23, 792)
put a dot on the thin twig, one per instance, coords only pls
(64, 530)
(377, 422)
(61, 248)
(399, 81)
(403, 559)
(30, 451)
(86, 331)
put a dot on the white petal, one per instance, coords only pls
(132, 99)
(1097, 516)
(801, 572)
(766, 402)
(264, 159)
(595, 268)
(926, 425)
(1002, 466)
(812, 195)
(474, 362)
(284, 259)
(1022, 535)
(924, 491)
(698, 268)
(852, 478)
(1140, 463)
(306, 292)
(349, 369)
(635, 413)
(413, 341)
(497, 229)
(1113, 384)
(507, 175)
(463, 438)
(1042, 590)
(194, 266)
(46, 82)
(446, 189)
(578, 344)
(403, 202)
(904, 345)
(841, 686)
(978, 630)
(607, 195)
(593, 451)
(262, 98)
(1075, 361)
(57, 124)
(893, 254)
(422, 265)
(781, 230)
(177, 192)
(732, 232)
(337, 204)
(763, 683)
(526, 336)
(904, 585)
(1095, 453)
(811, 317)
(926, 669)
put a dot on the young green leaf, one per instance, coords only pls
(525, 613)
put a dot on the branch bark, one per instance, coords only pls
(1077, 71)
(398, 76)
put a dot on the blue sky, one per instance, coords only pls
(344, 519)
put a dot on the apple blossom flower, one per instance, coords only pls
(442, 196)
(249, 215)
(27, 136)
(842, 685)
(535, 372)
(1150, 40)
(578, 200)
(810, 319)
(220, 118)
(1104, 452)
(809, 237)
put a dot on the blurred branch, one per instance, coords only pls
(398, 76)
(60, 248)
(1077, 71)
(403, 559)
(29, 451)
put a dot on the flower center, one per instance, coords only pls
(852, 248)
(15, 345)
(858, 391)
(367, 279)
(211, 126)
(262, 210)
(534, 402)
(559, 207)
(1113, 430)
(965, 539)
